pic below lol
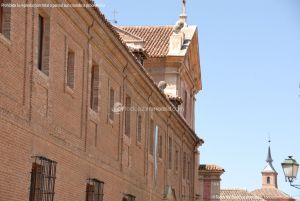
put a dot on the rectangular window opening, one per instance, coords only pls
(151, 137)
(127, 115)
(70, 69)
(94, 88)
(139, 128)
(170, 152)
(111, 103)
(94, 190)
(43, 176)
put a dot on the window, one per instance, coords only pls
(94, 88)
(151, 137)
(5, 18)
(42, 179)
(185, 104)
(139, 128)
(43, 44)
(127, 115)
(70, 69)
(160, 143)
(184, 165)
(128, 197)
(1, 16)
(111, 103)
(94, 190)
(176, 159)
(170, 152)
(268, 180)
(188, 170)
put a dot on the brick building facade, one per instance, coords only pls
(62, 72)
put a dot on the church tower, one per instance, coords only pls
(269, 174)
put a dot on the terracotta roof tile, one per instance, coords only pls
(238, 195)
(156, 38)
(211, 168)
(271, 193)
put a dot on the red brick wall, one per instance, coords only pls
(40, 115)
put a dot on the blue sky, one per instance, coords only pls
(250, 63)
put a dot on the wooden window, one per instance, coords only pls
(42, 179)
(127, 115)
(151, 137)
(184, 165)
(176, 159)
(160, 143)
(70, 69)
(94, 190)
(139, 128)
(111, 103)
(170, 152)
(94, 88)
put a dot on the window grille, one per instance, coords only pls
(111, 103)
(42, 179)
(94, 190)
(127, 115)
(5, 19)
(129, 197)
(94, 88)
(70, 69)
(139, 128)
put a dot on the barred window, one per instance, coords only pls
(139, 128)
(127, 115)
(170, 152)
(111, 103)
(184, 165)
(70, 69)
(42, 179)
(94, 190)
(151, 137)
(128, 197)
(94, 88)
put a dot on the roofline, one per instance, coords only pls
(116, 35)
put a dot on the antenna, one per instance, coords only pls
(114, 20)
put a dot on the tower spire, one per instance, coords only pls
(183, 16)
(269, 157)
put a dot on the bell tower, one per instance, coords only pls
(269, 174)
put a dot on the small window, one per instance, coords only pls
(42, 179)
(139, 128)
(160, 143)
(94, 88)
(188, 170)
(184, 165)
(127, 115)
(5, 19)
(111, 103)
(151, 137)
(70, 69)
(170, 152)
(94, 190)
(185, 104)
(268, 180)
(176, 160)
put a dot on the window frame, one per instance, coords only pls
(1, 17)
(127, 114)
(70, 64)
(95, 88)
(111, 101)
(94, 185)
(139, 128)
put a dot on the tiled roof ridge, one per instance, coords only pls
(110, 26)
(146, 26)
(211, 167)
(234, 189)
